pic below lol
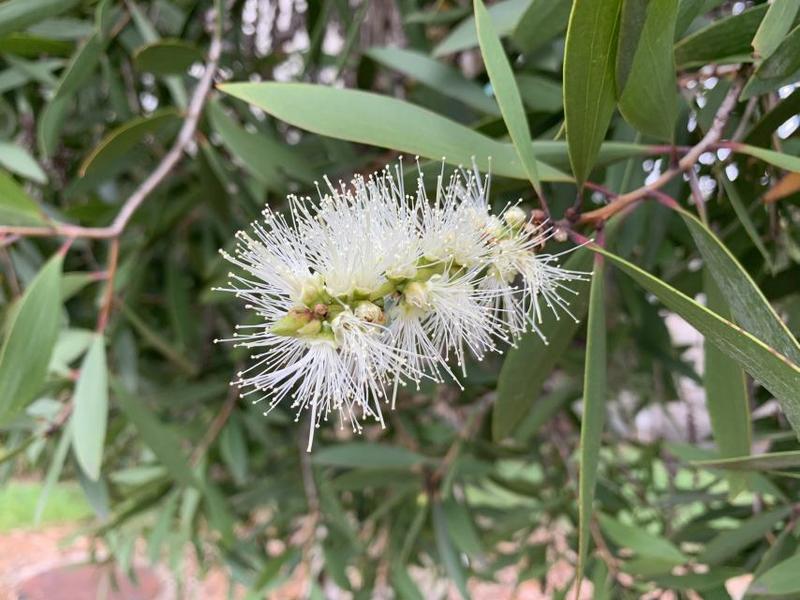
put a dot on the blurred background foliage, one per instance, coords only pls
(109, 375)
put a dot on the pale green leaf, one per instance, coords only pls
(18, 160)
(386, 122)
(504, 14)
(780, 580)
(440, 77)
(19, 14)
(775, 25)
(29, 343)
(16, 207)
(90, 409)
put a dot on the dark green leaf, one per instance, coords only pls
(167, 57)
(776, 372)
(447, 553)
(542, 21)
(726, 392)
(120, 141)
(595, 393)
(780, 580)
(363, 454)
(642, 542)
(19, 14)
(758, 462)
(589, 100)
(505, 90)
(780, 68)
(724, 40)
(81, 67)
(519, 385)
(648, 97)
(730, 542)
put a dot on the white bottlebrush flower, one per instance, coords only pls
(366, 289)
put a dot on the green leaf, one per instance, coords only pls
(643, 543)
(758, 462)
(233, 449)
(250, 148)
(80, 67)
(780, 580)
(744, 216)
(53, 472)
(48, 127)
(18, 160)
(31, 337)
(386, 122)
(505, 90)
(364, 454)
(90, 409)
(780, 68)
(541, 22)
(519, 385)
(16, 207)
(776, 372)
(731, 542)
(589, 58)
(540, 94)
(748, 305)
(121, 140)
(593, 417)
(646, 67)
(19, 14)
(779, 159)
(462, 528)
(775, 25)
(402, 583)
(162, 440)
(167, 57)
(726, 392)
(504, 14)
(440, 77)
(447, 553)
(724, 40)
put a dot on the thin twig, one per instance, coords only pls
(216, 425)
(108, 298)
(170, 160)
(684, 164)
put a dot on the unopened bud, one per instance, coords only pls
(295, 319)
(321, 310)
(515, 217)
(369, 312)
(416, 294)
(310, 328)
(311, 290)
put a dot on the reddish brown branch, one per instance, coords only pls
(686, 163)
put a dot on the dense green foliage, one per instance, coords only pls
(664, 131)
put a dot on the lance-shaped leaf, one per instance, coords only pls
(594, 408)
(780, 580)
(505, 15)
(16, 15)
(645, 73)
(29, 343)
(90, 412)
(16, 207)
(775, 25)
(527, 366)
(589, 100)
(438, 76)
(770, 461)
(775, 371)
(506, 92)
(385, 122)
(726, 392)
